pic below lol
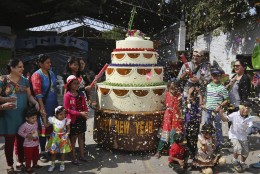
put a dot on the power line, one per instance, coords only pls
(148, 9)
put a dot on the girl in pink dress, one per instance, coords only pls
(172, 120)
(75, 104)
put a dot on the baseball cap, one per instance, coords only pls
(215, 72)
(70, 79)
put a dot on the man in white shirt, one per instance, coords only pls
(241, 121)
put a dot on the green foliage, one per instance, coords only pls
(115, 33)
(204, 16)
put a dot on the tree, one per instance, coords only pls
(202, 16)
(115, 33)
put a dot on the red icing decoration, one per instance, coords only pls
(134, 49)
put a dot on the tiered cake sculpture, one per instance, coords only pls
(130, 108)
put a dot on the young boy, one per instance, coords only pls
(29, 131)
(238, 133)
(178, 154)
(217, 94)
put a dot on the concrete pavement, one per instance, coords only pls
(105, 161)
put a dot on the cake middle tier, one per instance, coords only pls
(134, 75)
(133, 99)
(134, 56)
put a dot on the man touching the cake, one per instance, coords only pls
(196, 72)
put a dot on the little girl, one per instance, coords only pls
(75, 104)
(193, 118)
(205, 159)
(172, 120)
(59, 141)
(29, 131)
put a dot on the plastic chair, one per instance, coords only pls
(60, 84)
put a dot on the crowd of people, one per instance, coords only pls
(194, 101)
(194, 113)
(30, 115)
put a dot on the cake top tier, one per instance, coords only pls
(135, 33)
(135, 39)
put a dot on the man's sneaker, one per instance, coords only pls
(62, 168)
(244, 165)
(51, 168)
(256, 165)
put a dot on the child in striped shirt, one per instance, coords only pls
(29, 131)
(216, 95)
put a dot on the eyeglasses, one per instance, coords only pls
(236, 65)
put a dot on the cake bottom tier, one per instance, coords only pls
(129, 131)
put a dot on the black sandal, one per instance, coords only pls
(83, 159)
(37, 166)
(20, 167)
(76, 163)
(10, 170)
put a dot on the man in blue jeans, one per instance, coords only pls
(216, 94)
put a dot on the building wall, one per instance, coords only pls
(224, 47)
(7, 40)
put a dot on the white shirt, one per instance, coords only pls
(238, 129)
(58, 125)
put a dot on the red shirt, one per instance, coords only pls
(176, 151)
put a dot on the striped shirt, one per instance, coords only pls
(216, 94)
(27, 128)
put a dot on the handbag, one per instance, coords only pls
(4, 85)
(3, 94)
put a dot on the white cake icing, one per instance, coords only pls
(131, 53)
(134, 57)
(128, 99)
(134, 75)
(134, 42)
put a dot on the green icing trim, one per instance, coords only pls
(134, 85)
